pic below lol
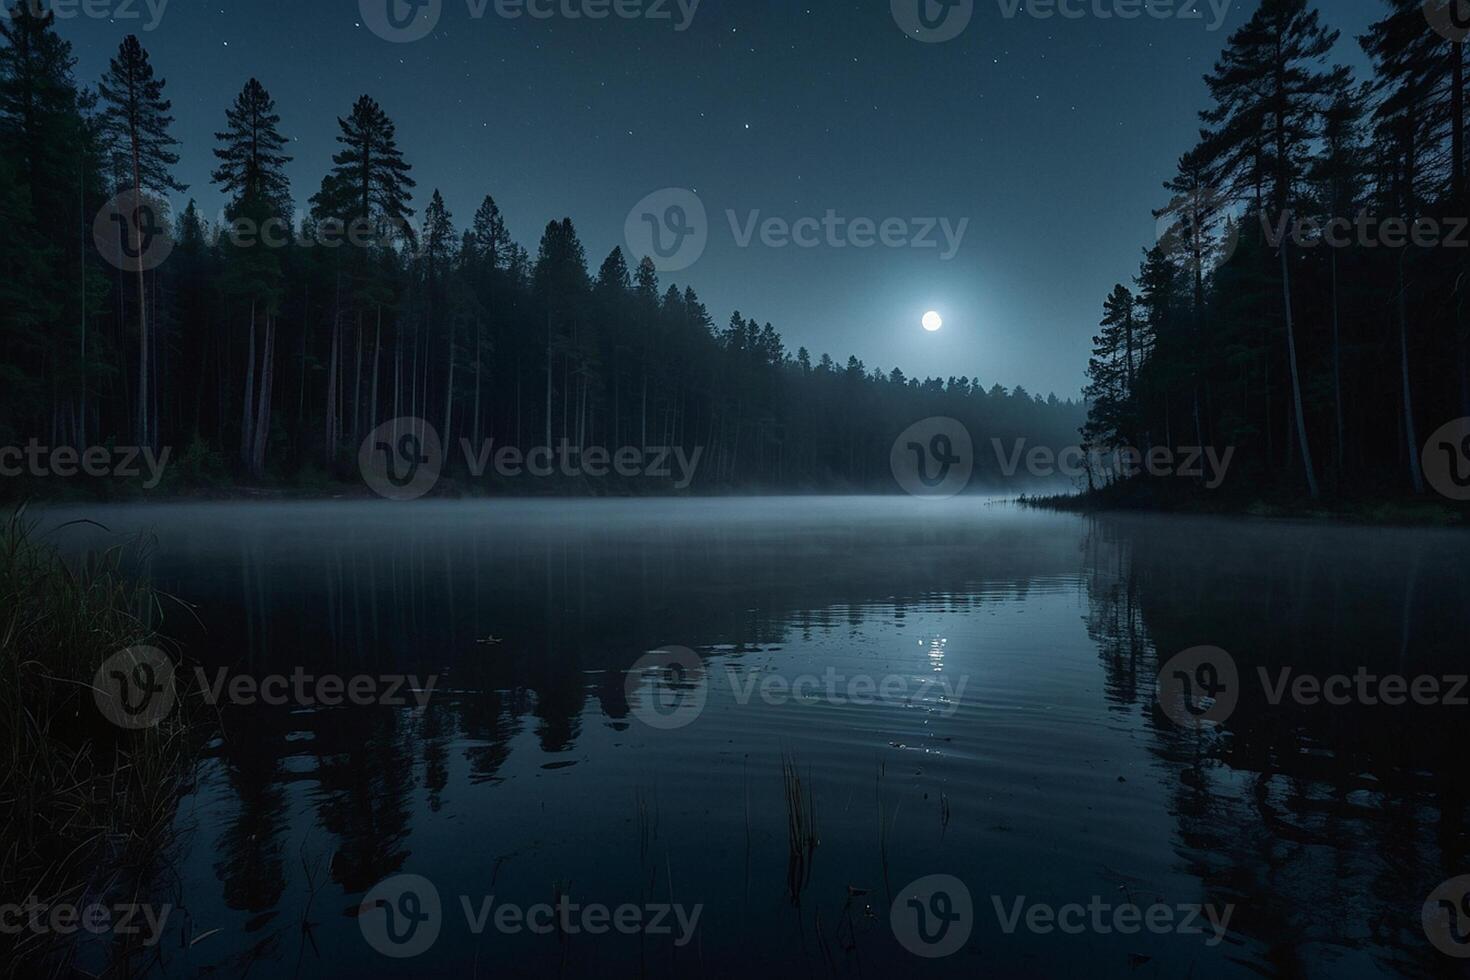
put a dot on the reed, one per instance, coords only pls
(801, 828)
(86, 808)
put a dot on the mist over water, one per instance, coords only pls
(1023, 750)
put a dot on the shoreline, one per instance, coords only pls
(1367, 511)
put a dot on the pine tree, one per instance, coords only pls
(251, 162)
(252, 172)
(491, 240)
(1110, 372)
(370, 180)
(1268, 96)
(49, 158)
(135, 124)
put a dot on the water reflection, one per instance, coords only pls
(1053, 775)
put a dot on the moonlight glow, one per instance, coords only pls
(932, 321)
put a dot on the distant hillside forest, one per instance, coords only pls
(1306, 300)
(269, 365)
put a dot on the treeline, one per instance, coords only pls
(1305, 301)
(271, 362)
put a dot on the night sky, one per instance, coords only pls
(1051, 136)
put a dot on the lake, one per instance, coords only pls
(854, 695)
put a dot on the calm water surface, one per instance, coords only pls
(1033, 763)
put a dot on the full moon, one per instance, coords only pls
(933, 321)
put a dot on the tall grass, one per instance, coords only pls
(85, 807)
(801, 828)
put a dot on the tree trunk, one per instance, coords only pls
(247, 411)
(449, 385)
(263, 410)
(1416, 476)
(1457, 123)
(1337, 372)
(331, 421)
(377, 352)
(1296, 383)
(475, 429)
(357, 384)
